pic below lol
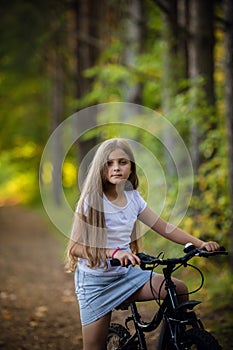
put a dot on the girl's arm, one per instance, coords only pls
(173, 233)
(77, 250)
(80, 251)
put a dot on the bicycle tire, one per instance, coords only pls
(199, 339)
(117, 336)
(192, 339)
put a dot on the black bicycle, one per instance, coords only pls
(181, 328)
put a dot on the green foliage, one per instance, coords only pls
(19, 180)
(112, 77)
(112, 80)
(33, 31)
(209, 214)
(210, 207)
(27, 30)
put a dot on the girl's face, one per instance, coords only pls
(118, 167)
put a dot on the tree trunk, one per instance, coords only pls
(133, 38)
(201, 63)
(172, 75)
(170, 60)
(228, 14)
(57, 117)
(88, 16)
(183, 37)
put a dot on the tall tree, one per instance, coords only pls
(89, 22)
(228, 16)
(201, 64)
(134, 38)
(57, 49)
(171, 74)
(175, 62)
(183, 37)
(57, 77)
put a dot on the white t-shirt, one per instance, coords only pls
(119, 224)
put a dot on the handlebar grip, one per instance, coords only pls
(115, 262)
(222, 249)
(145, 259)
(206, 254)
(190, 247)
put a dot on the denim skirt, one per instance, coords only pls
(99, 295)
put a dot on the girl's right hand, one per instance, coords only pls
(126, 257)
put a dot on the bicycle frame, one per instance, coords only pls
(177, 317)
(171, 312)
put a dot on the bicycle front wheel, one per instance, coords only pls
(198, 339)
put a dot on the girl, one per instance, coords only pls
(105, 226)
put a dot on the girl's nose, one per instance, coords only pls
(115, 166)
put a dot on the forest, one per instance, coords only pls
(150, 63)
(173, 57)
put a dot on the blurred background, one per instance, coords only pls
(173, 56)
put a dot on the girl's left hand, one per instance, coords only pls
(210, 246)
(126, 258)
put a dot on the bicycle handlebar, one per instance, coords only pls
(189, 249)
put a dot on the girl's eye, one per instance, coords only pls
(121, 162)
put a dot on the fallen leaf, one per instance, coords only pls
(41, 311)
(6, 314)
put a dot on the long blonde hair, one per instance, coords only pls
(89, 228)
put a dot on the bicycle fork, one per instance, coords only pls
(176, 318)
(173, 327)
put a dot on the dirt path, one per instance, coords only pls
(38, 307)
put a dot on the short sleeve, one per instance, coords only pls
(141, 203)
